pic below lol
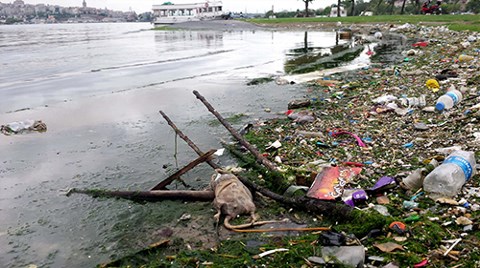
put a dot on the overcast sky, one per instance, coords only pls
(140, 6)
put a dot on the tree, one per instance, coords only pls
(306, 6)
(338, 9)
(326, 11)
(403, 7)
(473, 6)
(355, 6)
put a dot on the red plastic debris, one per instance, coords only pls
(420, 44)
(399, 224)
(421, 264)
(398, 227)
(355, 164)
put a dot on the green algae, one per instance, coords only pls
(260, 80)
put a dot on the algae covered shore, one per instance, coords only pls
(378, 120)
(381, 133)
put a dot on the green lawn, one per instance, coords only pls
(454, 22)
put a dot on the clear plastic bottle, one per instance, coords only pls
(449, 99)
(448, 178)
(414, 102)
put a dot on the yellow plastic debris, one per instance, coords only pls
(465, 58)
(433, 85)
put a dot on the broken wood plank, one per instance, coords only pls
(149, 195)
(176, 175)
(236, 135)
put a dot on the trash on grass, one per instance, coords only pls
(331, 238)
(336, 133)
(330, 182)
(353, 256)
(389, 246)
(269, 252)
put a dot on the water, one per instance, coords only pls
(99, 87)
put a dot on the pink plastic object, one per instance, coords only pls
(421, 264)
(341, 132)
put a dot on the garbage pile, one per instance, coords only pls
(21, 127)
(400, 139)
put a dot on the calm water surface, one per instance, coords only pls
(99, 88)
(44, 64)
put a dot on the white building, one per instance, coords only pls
(174, 13)
(333, 11)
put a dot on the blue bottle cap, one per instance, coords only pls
(440, 106)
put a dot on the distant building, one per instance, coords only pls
(19, 12)
(18, 3)
(333, 11)
(168, 13)
(366, 13)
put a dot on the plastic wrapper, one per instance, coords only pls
(329, 184)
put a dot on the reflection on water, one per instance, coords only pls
(309, 56)
(210, 38)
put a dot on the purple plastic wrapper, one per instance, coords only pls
(359, 196)
(350, 202)
(384, 183)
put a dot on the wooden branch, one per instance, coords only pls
(149, 195)
(176, 175)
(332, 209)
(187, 140)
(235, 134)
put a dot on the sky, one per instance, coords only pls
(140, 6)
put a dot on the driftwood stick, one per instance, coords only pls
(334, 210)
(149, 195)
(235, 134)
(187, 140)
(167, 181)
(303, 203)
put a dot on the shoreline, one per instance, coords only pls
(400, 139)
(125, 138)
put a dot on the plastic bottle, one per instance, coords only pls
(449, 99)
(465, 58)
(448, 178)
(414, 181)
(414, 102)
(21, 125)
